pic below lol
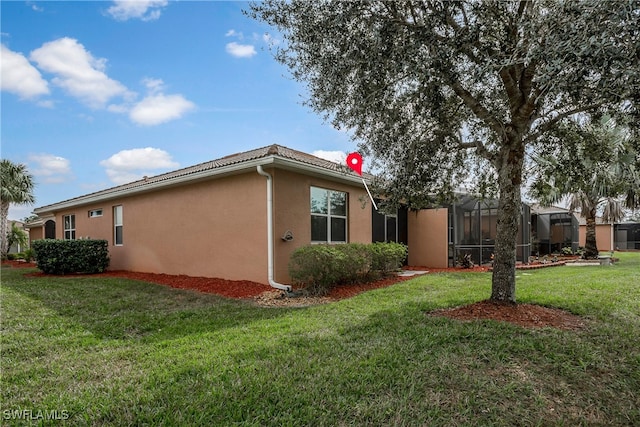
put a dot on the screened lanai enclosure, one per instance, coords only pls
(553, 229)
(627, 236)
(472, 230)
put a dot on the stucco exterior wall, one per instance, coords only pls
(428, 241)
(213, 228)
(603, 236)
(216, 227)
(36, 233)
(293, 213)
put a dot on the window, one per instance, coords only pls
(95, 213)
(391, 228)
(117, 225)
(69, 227)
(328, 215)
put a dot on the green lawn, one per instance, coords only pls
(120, 352)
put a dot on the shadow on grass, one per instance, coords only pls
(117, 308)
(397, 367)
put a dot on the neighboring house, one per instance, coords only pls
(554, 228)
(604, 234)
(211, 219)
(627, 236)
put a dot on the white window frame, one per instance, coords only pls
(118, 222)
(72, 227)
(95, 213)
(329, 216)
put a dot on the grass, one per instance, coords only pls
(119, 352)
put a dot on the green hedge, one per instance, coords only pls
(318, 268)
(71, 256)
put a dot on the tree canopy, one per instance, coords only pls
(434, 88)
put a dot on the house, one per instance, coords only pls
(240, 218)
(604, 234)
(610, 236)
(627, 236)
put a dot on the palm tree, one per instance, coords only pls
(597, 167)
(16, 187)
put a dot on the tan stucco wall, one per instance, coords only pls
(214, 228)
(218, 227)
(292, 212)
(428, 241)
(603, 236)
(36, 233)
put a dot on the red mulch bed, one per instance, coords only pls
(19, 264)
(527, 315)
(212, 285)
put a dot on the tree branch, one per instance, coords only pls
(480, 148)
(514, 95)
(549, 124)
(478, 109)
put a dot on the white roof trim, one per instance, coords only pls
(274, 159)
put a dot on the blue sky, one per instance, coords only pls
(98, 93)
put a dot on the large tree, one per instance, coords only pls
(430, 86)
(596, 164)
(16, 188)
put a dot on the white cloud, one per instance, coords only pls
(154, 86)
(78, 72)
(35, 7)
(241, 50)
(160, 108)
(146, 10)
(332, 156)
(234, 33)
(19, 76)
(130, 165)
(51, 169)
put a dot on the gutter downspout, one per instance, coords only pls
(272, 282)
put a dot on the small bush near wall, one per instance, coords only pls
(71, 256)
(318, 268)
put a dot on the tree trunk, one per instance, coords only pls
(503, 282)
(4, 229)
(590, 245)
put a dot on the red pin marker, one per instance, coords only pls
(354, 161)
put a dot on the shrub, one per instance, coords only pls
(71, 256)
(567, 250)
(320, 267)
(387, 257)
(465, 261)
(29, 255)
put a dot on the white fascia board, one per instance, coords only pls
(297, 166)
(246, 166)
